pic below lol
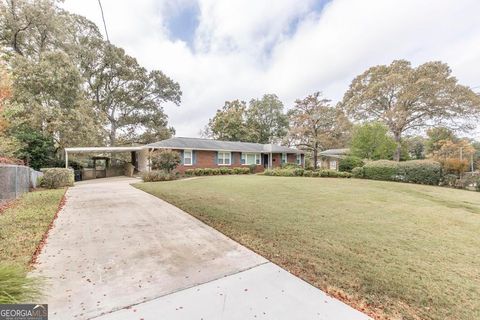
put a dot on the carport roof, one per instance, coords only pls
(103, 149)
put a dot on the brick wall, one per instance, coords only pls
(206, 159)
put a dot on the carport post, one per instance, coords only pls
(66, 159)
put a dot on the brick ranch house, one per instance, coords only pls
(197, 153)
(207, 153)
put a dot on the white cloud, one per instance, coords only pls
(243, 49)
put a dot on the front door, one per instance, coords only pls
(265, 160)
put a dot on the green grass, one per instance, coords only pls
(22, 227)
(395, 250)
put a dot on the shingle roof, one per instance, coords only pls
(335, 152)
(209, 144)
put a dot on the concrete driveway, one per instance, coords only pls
(116, 252)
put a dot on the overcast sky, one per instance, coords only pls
(240, 49)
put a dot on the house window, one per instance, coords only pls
(284, 158)
(224, 158)
(187, 157)
(333, 164)
(251, 158)
(299, 159)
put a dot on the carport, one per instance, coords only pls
(139, 159)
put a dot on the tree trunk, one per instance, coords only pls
(113, 135)
(398, 140)
(315, 155)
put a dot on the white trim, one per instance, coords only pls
(229, 158)
(256, 154)
(299, 161)
(103, 149)
(191, 157)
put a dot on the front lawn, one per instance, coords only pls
(22, 227)
(398, 250)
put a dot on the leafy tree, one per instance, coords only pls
(407, 98)
(49, 98)
(315, 125)
(371, 141)
(38, 149)
(126, 95)
(414, 147)
(109, 94)
(8, 144)
(229, 123)
(166, 160)
(436, 137)
(266, 120)
(31, 27)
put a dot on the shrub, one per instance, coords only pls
(305, 173)
(347, 164)
(16, 287)
(421, 171)
(207, 171)
(252, 168)
(215, 171)
(341, 174)
(269, 172)
(455, 166)
(298, 172)
(381, 170)
(477, 185)
(189, 172)
(415, 171)
(54, 178)
(199, 172)
(224, 170)
(308, 173)
(241, 170)
(449, 180)
(290, 166)
(166, 160)
(158, 175)
(357, 172)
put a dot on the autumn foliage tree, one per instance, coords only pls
(407, 98)
(315, 125)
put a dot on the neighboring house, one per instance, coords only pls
(329, 159)
(207, 153)
(201, 153)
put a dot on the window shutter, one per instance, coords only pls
(242, 159)
(216, 157)
(194, 157)
(181, 157)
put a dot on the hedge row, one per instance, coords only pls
(414, 171)
(158, 175)
(54, 178)
(216, 171)
(299, 172)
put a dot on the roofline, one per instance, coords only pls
(225, 150)
(103, 149)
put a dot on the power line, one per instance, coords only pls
(103, 18)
